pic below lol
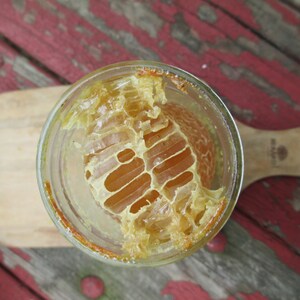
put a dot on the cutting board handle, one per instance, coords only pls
(270, 152)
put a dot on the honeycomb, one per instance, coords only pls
(148, 162)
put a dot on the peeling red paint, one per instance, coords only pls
(23, 276)
(273, 73)
(205, 32)
(164, 9)
(217, 244)
(185, 290)
(288, 257)
(52, 49)
(9, 81)
(1, 60)
(276, 209)
(11, 289)
(28, 279)
(247, 90)
(179, 54)
(242, 296)
(21, 253)
(270, 71)
(224, 26)
(240, 9)
(56, 49)
(92, 287)
(290, 16)
(228, 87)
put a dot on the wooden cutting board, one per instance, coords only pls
(24, 221)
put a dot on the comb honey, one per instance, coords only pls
(149, 162)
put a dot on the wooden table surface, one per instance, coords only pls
(249, 52)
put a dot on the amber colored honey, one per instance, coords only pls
(149, 163)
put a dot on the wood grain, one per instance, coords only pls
(226, 58)
(16, 290)
(273, 20)
(253, 70)
(23, 219)
(270, 153)
(294, 4)
(17, 72)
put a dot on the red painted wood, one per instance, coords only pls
(92, 287)
(70, 46)
(13, 74)
(21, 253)
(243, 296)
(14, 77)
(11, 289)
(178, 55)
(21, 275)
(228, 27)
(279, 211)
(243, 12)
(213, 59)
(238, 8)
(217, 244)
(288, 14)
(28, 280)
(57, 41)
(268, 14)
(290, 258)
(271, 71)
(185, 290)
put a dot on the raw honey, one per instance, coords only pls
(148, 161)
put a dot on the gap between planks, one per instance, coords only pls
(293, 4)
(33, 60)
(255, 32)
(271, 234)
(18, 281)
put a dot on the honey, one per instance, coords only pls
(149, 162)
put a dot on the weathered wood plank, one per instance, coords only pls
(276, 22)
(239, 36)
(11, 289)
(222, 68)
(221, 52)
(246, 266)
(295, 4)
(222, 62)
(17, 72)
(58, 38)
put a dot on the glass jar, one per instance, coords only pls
(60, 168)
